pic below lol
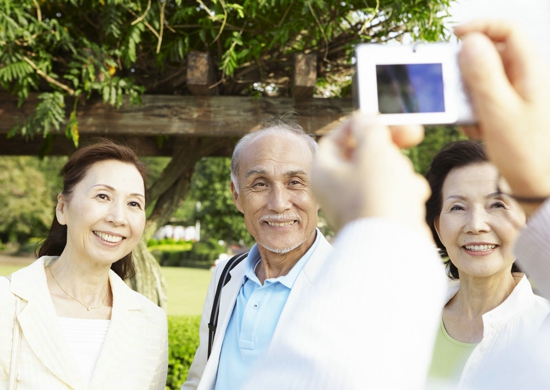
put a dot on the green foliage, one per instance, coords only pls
(51, 170)
(187, 254)
(435, 138)
(168, 241)
(164, 245)
(219, 217)
(183, 340)
(72, 51)
(50, 113)
(30, 246)
(25, 199)
(152, 242)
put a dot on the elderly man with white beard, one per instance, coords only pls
(270, 182)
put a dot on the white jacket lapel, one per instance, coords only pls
(227, 303)
(40, 326)
(124, 329)
(305, 283)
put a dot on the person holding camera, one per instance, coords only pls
(373, 321)
(509, 84)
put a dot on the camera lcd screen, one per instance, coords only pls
(410, 88)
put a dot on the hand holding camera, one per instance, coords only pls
(412, 84)
(495, 84)
(509, 84)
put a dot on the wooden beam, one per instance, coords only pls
(201, 74)
(160, 115)
(61, 146)
(305, 75)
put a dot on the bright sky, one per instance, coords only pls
(534, 15)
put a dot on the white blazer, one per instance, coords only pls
(134, 355)
(369, 323)
(515, 320)
(202, 374)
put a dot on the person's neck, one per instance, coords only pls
(274, 265)
(478, 296)
(463, 314)
(83, 281)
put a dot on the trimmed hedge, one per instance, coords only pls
(183, 340)
(198, 255)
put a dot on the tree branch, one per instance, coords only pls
(320, 28)
(284, 16)
(38, 11)
(48, 78)
(228, 26)
(161, 25)
(175, 180)
(205, 8)
(371, 18)
(224, 21)
(144, 14)
(145, 23)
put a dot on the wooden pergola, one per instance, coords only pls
(184, 127)
(161, 122)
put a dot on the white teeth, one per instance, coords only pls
(479, 248)
(280, 223)
(108, 237)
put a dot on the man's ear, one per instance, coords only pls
(60, 209)
(236, 198)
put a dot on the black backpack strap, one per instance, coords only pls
(225, 277)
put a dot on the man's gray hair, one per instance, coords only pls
(271, 126)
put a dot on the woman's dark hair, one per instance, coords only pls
(454, 155)
(73, 172)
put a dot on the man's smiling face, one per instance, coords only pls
(275, 192)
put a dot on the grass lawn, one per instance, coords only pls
(186, 288)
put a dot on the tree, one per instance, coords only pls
(76, 51)
(434, 139)
(82, 49)
(219, 217)
(24, 200)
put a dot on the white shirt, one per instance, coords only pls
(372, 322)
(86, 339)
(526, 365)
(513, 321)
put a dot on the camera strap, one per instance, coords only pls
(225, 277)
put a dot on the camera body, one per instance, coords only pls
(412, 84)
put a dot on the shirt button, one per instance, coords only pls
(255, 306)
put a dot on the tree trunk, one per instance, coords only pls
(168, 192)
(149, 280)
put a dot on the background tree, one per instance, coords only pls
(76, 51)
(25, 200)
(218, 215)
(435, 137)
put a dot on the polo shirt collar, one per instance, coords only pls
(253, 259)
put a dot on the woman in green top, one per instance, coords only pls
(490, 304)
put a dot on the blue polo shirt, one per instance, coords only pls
(254, 319)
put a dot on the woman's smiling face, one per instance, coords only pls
(478, 225)
(105, 213)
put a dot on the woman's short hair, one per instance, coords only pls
(73, 172)
(454, 155)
